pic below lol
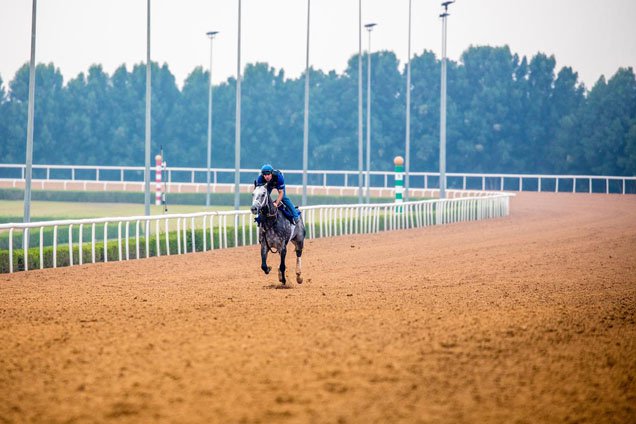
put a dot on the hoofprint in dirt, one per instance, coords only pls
(528, 318)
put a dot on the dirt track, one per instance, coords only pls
(528, 318)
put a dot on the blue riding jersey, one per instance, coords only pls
(278, 182)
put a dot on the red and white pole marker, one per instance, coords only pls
(158, 180)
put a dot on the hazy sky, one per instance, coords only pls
(593, 36)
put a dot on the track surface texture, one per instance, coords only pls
(528, 318)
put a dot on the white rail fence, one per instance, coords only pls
(94, 240)
(326, 178)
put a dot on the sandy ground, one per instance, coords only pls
(528, 318)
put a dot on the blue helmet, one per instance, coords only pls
(267, 169)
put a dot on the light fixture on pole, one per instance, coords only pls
(360, 101)
(148, 129)
(442, 121)
(210, 35)
(306, 123)
(369, 28)
(237, 133)
(407, 146)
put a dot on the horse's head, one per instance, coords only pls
(259, 199)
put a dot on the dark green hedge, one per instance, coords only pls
(112, 247)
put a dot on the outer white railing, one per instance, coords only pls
(381, 179)
(320, 221)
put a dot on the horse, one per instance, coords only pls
(275, 232)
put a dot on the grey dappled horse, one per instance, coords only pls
(275, 232)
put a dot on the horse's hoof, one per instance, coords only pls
(267, 270)
(299, 279)
(280, 277)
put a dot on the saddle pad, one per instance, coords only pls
(288, 213)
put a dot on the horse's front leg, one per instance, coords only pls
(266, 269)
(281, 269)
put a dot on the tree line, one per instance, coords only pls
(505, 114)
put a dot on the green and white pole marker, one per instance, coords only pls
(399, 181)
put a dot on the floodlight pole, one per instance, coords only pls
(237, 133)
(306, 123)
(148, 128)
(369, 28)
(360, 101)
(442, 121)
(211, 35)
(31, 111)
(407, 146)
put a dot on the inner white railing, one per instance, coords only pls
(96, 240)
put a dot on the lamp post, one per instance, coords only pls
(369, 28)
(210, 35)
(407, 146)
(29, 146)
(148, 128)
(306, 124)
(237, 133)
(442, 121)
(360, 101)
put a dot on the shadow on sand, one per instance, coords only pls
(278, 286)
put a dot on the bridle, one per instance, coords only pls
(266, 203)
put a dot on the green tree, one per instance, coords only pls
(608, 121)
(188, 124)
(333, 119)
(491, 104)
(88, 117)
(539, 122)
(127, 143)
(567, 99)
(505, 114)
(425, 109)
(47, 127)
(387, 109)
(263, 117)
(4, 122)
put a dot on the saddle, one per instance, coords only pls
(286, 213)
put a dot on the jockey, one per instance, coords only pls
(273, 178)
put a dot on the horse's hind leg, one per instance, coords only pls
(266, 269)
(281, 270)
(299, 277)
(299, 253)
